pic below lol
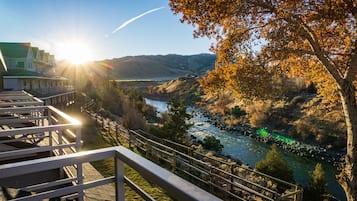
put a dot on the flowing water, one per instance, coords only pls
(250, 151)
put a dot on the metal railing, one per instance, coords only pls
(18, 99)
(29, 130)
(66, 98)
(175, 186)
(42, 128)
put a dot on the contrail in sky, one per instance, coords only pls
(135, 18)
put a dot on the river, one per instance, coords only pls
(250, 151)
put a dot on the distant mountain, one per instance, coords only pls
(160, 66)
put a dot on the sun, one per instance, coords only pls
(75, 51)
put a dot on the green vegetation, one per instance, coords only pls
(94, 138)
(317, 188)
(282, 138)
(237, 112)
(175, 125)
(212, 143)
(275, 165)
(262, 132)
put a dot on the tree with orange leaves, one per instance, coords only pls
(313, 38)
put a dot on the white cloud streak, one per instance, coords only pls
(136, 18)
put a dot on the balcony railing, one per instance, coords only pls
(66, 98)
(175, 186)
(18, 99)
(42, 128)
(50, 90)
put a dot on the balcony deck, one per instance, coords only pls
(40, 156)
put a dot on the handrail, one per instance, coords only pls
(172, 184)
(43, 134)
(57, 95)
(220, 161)
(196, 161)
(64, 116)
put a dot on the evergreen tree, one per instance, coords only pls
(176, 125)
(317, 188)
(275, 165)
(212, 143)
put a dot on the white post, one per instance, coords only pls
(119, 183)
(79, 165)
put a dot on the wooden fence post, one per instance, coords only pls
(147, 146)
(231, 178)
(210, 179)
(173, 164)
(116, 133)
(129, 139)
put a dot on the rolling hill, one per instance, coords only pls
(160, 66)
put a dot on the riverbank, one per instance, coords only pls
(298, 148)
(249, 150)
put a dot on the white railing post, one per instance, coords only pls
(80, 181)
(60, 141)
(78, 139)
(49, 117)
(79, 165)
(50, 141)
(43, 118)
(119, 180)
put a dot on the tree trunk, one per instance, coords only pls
(348, 177)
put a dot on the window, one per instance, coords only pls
(20, 64)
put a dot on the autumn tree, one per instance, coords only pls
(316, 39)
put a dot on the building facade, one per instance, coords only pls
(30, 68)
(22, 56)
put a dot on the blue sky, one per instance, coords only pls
(47, 24)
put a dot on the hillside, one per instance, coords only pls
(186, 88)
(160, 66)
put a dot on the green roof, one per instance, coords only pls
(14, 50)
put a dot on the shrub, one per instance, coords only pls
(134, 120)
(317, 188)
(275, 165)
(237, 112)
(212, 143)
(259, 113)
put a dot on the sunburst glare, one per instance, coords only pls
(75, 51)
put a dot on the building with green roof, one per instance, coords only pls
(17, 55)
(31, 69)
(24, 57)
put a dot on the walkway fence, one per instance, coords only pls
(228, 180)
